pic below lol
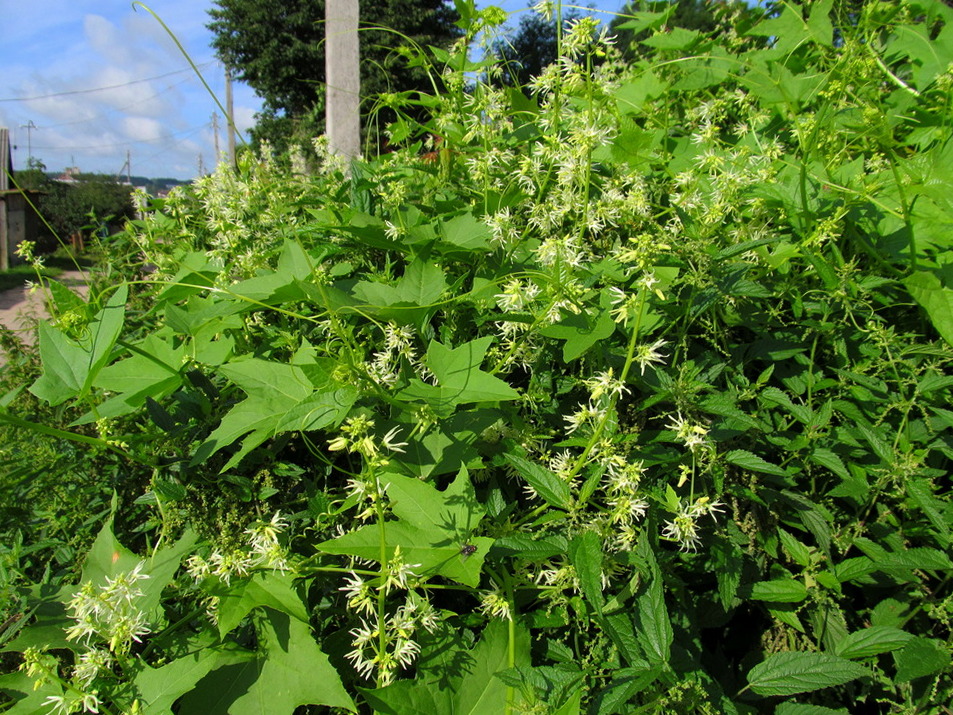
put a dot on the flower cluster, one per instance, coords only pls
(110, 613)
(683, 528)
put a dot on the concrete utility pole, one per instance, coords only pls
(6, 168)
(29, 126)
(218, 156)
(342, 69)
(230, 119)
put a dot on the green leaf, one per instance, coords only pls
(936, 299)
(753, 463)
(829, 460)
(674, 38)
(543, 481)
(159, 688)
(281, 397)
(921, 657)
(71, 365)
(800, 553)
(655, 627)
(431, 533)
(585, 554)
(287, 671)
(872, 641)
(625, 683)
(407, 697)
(466, 231)
(525, 546)
(459, 378)
(28, 700)
(480, 692)
(271, 589)
(802, 672)
(801, 709)
(728, 562)
(779, 591)
(580, 331)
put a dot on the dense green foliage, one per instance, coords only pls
(278, 50)
(631, 397)
(92, 201)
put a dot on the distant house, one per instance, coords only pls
(70, 175)
(18, 220)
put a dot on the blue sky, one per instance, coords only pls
(98, 79)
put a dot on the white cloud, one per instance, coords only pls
(66, 47)
(142, 129)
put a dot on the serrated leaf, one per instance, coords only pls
(920, 657)
(728, 562)
(655, 627)
(290, 671)
(798, 551)
(779, 591)
(802, 672)
(71, 365)
(916, 558)
(543, 481)
(829, 460)
(936, 299)
(524, 546)
(271, 589)
(753, 463)
(803, 709)
(585, 554)
(872, 641)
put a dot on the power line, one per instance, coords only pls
(125, 142)
(99, 116)
(102, 89)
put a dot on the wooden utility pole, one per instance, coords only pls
(342, 69)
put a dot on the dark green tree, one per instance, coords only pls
(278, 49)
(95, 200)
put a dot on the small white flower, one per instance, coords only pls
(389, 442)
(646, 355)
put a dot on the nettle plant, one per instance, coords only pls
(630, 394)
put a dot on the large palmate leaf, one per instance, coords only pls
(475, 690)
(159, 688)
(459, 378)
(287, 670)
(269, 589)
(71, 364)
(282, 397)
(432, 529)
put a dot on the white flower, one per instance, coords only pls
(389, 442)
(604, 383)
(494, 604)
(645, 355)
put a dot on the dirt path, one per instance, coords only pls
(19, 308)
